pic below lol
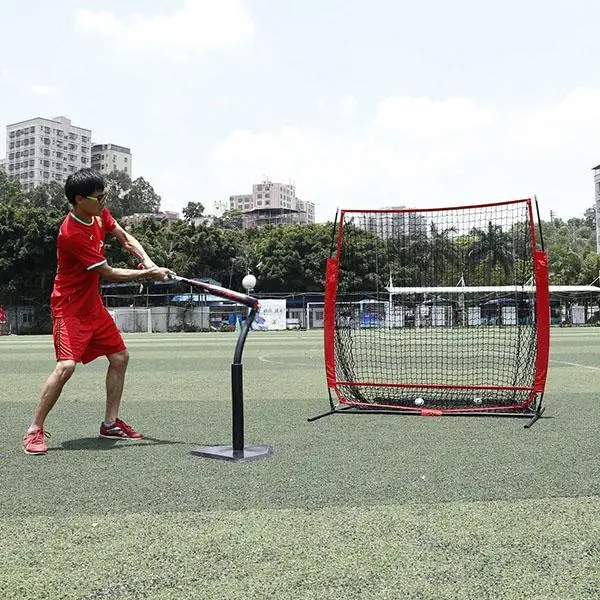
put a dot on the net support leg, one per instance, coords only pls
(539, 411)
(334, 409)
(238, 451)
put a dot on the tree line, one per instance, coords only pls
(288, 258)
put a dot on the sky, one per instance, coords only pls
(360, 104)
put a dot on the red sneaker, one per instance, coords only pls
(120, 431)
(35, 442)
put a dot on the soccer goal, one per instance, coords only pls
(132, 320)
(361, 313)
(461, 320)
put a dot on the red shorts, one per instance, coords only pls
(86, 337)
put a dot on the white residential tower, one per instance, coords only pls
(42, 150)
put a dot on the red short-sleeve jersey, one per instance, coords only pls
(79, 250)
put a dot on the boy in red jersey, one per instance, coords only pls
(83, 329)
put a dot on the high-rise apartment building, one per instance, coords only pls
(397, 221)
(272, 204)
(42, 150)
(107, 158)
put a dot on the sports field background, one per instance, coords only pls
(355, 506)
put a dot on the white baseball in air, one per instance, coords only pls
(419, 401)
(478, 400)
(249, 282)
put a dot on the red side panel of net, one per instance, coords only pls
(543, 319)
(331, 278)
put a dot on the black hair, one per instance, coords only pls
(83, 183)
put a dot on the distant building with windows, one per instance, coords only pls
(398, 221)
(272, 204)
(41, 150)
(168, 217)
(108, 158)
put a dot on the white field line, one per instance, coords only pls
(265, 358)
(572, 364)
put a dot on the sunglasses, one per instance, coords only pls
(100, 198)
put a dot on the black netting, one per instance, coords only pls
(436, 308)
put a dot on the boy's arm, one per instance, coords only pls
(131, 245)
(85, 249)
(116, 274)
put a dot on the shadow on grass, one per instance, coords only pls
(98, 443)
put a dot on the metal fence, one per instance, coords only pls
(26, 319)
(162, 319)
(199, 312)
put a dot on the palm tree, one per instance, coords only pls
(492, 248)
(406, 256)
(441, 255)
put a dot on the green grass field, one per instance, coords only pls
(356, 506)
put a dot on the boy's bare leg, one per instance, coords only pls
(51, 391)
(115, 381)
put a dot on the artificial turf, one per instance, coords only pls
(351, 506)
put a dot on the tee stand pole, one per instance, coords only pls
(237, 452)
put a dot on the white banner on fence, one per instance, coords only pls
(271, 316)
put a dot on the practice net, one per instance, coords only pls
(438, 310)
